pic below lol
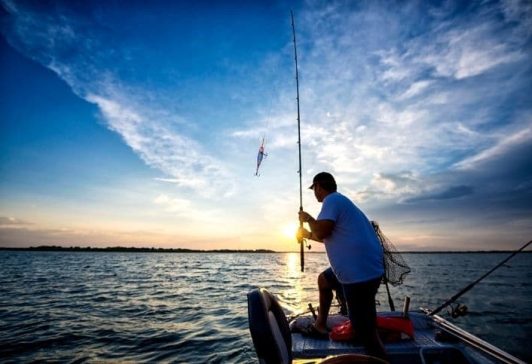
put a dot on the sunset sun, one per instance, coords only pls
(289, 230)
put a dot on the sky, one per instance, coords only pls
(132, 123)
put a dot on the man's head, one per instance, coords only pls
(323, 184)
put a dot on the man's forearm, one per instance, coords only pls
(319, 229)
(315, 238)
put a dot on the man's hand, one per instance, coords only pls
(303, 233)
(305, 217)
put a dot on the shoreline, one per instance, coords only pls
(54, 248)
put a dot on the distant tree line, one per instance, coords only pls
(181, 250)
(138, 250)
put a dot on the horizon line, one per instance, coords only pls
(186, 250)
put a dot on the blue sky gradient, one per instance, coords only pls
(137, 124)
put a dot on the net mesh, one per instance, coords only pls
(395, 267)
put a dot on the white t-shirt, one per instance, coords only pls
(353, 249)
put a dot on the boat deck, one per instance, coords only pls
(424, 348)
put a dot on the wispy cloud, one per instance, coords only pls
(415, 89)
(82, 58)
(159, 146)
(414, 106)
(468, 52)
(503, 146)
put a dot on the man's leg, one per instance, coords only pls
(326, 283)
(360, 299)
(341, 300)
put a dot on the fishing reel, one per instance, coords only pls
(458, 310)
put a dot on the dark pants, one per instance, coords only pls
(360, 301)
(337, 287)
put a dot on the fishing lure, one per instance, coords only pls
(260, 156)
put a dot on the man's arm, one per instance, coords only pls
(319, 229)
(303, 233)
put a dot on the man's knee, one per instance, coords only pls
(323, 283)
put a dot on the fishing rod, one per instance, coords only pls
(471, 285)
(301, 241)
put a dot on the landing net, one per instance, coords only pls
(395, 267)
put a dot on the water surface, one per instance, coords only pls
(191, 307)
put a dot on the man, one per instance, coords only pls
(356, 260)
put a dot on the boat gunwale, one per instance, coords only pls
(473, 340)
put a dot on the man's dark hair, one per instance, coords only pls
(325, 180)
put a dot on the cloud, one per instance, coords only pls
(450, 193)
(415, 89)
(173, 204)
(436, 124)
(77, 48)
(403, 187)
(397, 112)
(468, 52)
(494, 193)
(12, 222)
(518, 12)
(501, 147)
(372, 101)
(159, 146)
